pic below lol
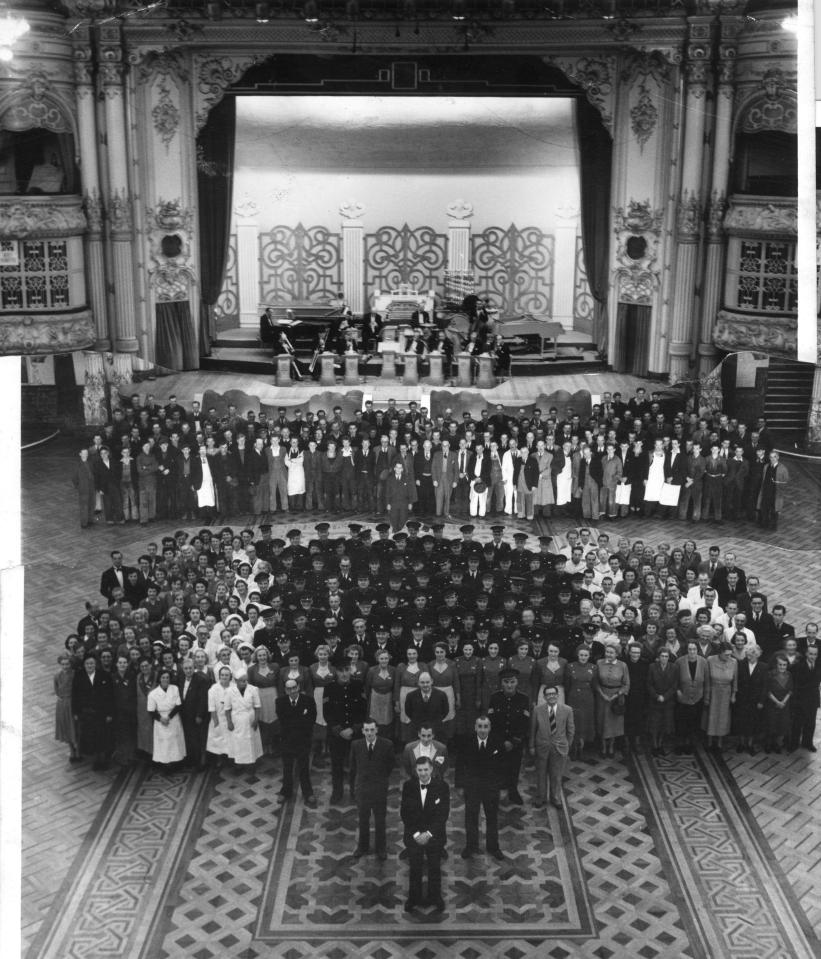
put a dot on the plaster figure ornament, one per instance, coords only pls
(778, 334)
(460, 209)
(351, 210)
(643, 118)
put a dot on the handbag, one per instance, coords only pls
(619, 704)
(623, 491)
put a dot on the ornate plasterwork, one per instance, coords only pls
(637, 271)
(460, 209)
(772, 107)
(595, 75)
(93, 206)
(32, 103)
(170, 273)
(716, 209)
(213, 77)
(773, 335)
(247, 208)
(165, 114)
(38, 333)
(645, 68)
(769, 215)
(643, 118)
(351, 210)
(119, 212)
(688, 215)
(38, 217)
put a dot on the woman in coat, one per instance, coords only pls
(125, 715)
(635, 715)
(611, 680)
(720, 691)
(748, 710)
(581, 698)
(662, 683)
(164, 704)
(400, 494)
(778, 691)
(806, 677)
(691, 670)
(84, 482)
(65, 730)
(92, 706)
(145, 723)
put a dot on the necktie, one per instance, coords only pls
(370, 750)
(552, 722)
(481, 745)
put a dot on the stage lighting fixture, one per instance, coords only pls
(262, 12)
(457, 9)
(310, 11)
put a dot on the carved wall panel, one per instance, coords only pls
(638, 234)
(39, 280)
(583, 303)
(515, 268)
(227, 306)
(412, 257)
(774, 335)
(301, 264)
(169, 230)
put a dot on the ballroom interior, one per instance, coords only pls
(621, 176)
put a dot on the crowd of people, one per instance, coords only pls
(639, 457)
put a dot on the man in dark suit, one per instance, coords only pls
(509, 712)
(482, 765)
(371, 766)
(115, 575)
(424, 811)
(344, 709)
(427, 706)
(92, 705)
(425, 745)
(297, 714)
(551, 736)
(194, 713)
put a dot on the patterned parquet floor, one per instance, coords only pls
(688, 856)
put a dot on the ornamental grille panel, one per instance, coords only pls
(514, 267)
(300, 264)
(583, 303)
(227, 306)
(413, 258)
(766, 277)
(39, 280)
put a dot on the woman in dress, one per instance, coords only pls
(219, 737)
(322, 675)
(550, 671)
(662, 681)
(579, 696)
(692, 678)
(145, 722)
(444, 676)
(720, 690)
(635, 713)
(778, 691)
(407, 678)
(263, 676)
(610, 681)
(654, 480)
(296, 476)
(125, 713)
(64, 728)
(379, 686)
(295, 670)
(492, 665)
(164, 704)
(469, 672)
(242, 712)
(359, 668)
(748, 711)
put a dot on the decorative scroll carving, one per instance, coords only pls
(414, 257)
(119, 212)
(688, 215)
(165, 114)
(774, 107)
(643, 118)
(247, 208)
(301, 263)
(227, 305)
(170, 229)
(716, 209)
(93, 206)
(31, 104)
(595, 76)
(583, 302)
(637, 229)
(769, 215)
(460, 209)
(646, 68)
(351, 210)
(35, 217)
(777, 335)
(37, 333)
(214, 76)
(515, 267)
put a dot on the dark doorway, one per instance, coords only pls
(632, 336)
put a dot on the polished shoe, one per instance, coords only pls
(556, 802)
(410, 906)
(336, 797)
(283, 797)
(497, 854)
(811, 748)
(358, 853)
(75, 759)
(438, 904)
(515, 798)
(382, 856)
(310, 801)
(468, 851)
(539, 804)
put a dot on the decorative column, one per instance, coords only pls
(95, 407)
(411, 375)
(713, 283)
(353, 256)
(564, 264)
(120, 229)
(436, 376)
(484, 376)
(92, 194)
(464, 362)
(388, 364)
(459, 213)
(327, 375)
(689, 212)
(283, 366)
(246, 212)
(351, 361)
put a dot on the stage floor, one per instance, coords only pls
(692, 856)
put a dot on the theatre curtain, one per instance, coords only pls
(176, 343)
(596, 157)
(215, 181)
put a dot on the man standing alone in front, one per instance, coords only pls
(371, 766)
(424, 812)
(551, 734)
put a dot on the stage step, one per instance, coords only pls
(787, 400)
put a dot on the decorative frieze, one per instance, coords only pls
(638, 230)
(688, 215)
(170, 230)
(761, 215)
(716, 209)
(28, 333)
(32, 103)
(775, 335)
(213, 77)
(23, 218)
(596, 76)
(773, 106)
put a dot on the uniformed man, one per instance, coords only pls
(301, 554)
(344, 711)
(509, 712)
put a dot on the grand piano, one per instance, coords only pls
(301, 322)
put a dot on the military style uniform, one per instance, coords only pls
(510, 722)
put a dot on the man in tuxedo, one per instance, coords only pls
(424, 811)
(426, 705)
(551, 735)
(296, 713)
(425, 745)
(194, 713)
(371, 766)
(115, 575)
(482, 766)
